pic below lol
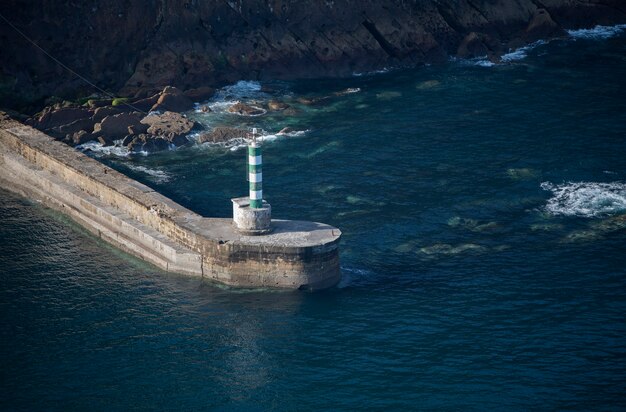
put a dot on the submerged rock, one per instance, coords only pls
(446, 249)
(428, 84)
(147, 143)
(276, 105)
(246, 110)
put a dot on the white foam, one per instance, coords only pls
(240, 142)
(239, 90)
(586, 199)
(295, 133)
(101, 150)
(371, 73)
(521, 53)
(481, 61)
(598, 32)
(159, 176)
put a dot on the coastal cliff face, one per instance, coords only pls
(135, 48)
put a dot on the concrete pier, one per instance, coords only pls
(135, 218)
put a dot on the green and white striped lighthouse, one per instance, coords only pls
(255, 173)
(252, 215)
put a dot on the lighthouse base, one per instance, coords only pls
(251, 221)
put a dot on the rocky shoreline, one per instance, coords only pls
(137, 48)
(150, 124)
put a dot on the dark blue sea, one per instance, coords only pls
(483, 209)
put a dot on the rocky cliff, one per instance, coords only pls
(136, 47)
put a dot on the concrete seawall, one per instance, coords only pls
(147, 224)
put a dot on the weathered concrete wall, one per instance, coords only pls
(149, 225)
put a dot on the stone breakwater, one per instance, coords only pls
(140, 221)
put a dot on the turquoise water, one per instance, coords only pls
(484, 267)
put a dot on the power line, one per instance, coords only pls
(65, 66)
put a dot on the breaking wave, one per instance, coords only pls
(243, 89)
(481, 61)
(522, 52)
(371, 73)
(586, 199)
(240, 142)
(99, 150)
(158, 176)
(598, 32)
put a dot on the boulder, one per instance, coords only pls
(77, 125)
(290, 111)
(200, 94)
(169, 125)
(81, 137)
(222, 134)
(173, 100)
(276, 105)
(51, 117)
(245, 109)
(478, 45)
(102, 112)
(148, 143)
(129, 138)
(106, 140)
(542, 26)
(138, 128)
(116, 126)
(146, 103)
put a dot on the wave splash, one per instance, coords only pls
(586, 199)
(158, 176)
(598, 32)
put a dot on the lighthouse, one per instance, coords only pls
(252, 215)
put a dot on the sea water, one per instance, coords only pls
(483, 208)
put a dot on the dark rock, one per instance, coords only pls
(290, 111)
(178, 140)
(146, 103)
(148, 143)
(80, 124)
(210, 43)
(51, 118)
(106, 140)
(138, 128)
(542, 26)
(245, 110)
(205, 109)
(478, 45)
(116, 126)
(127, 140)
(200, 94)
(102, 112)
(276, 105)
(81, 137)
(222, 134)
(173, 100)
(155, 144)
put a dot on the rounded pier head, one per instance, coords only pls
(251, 221)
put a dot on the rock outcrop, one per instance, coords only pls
(136, 48)
(222, 134)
